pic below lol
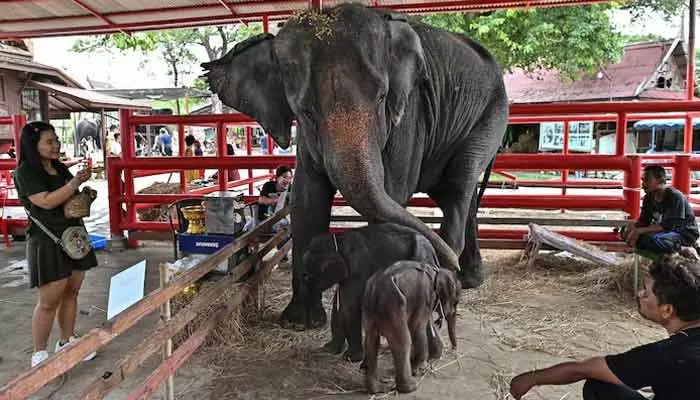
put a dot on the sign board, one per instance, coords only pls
(126, 288)
(580, 136)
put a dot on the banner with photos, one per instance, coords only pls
(580, 136)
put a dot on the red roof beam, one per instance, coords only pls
(230, 8)
(180, 23)
(93, 12)
(255, 16)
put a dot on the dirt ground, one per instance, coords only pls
(521, 318)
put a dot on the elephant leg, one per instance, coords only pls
(435, 346)
(457, 193)
(310, 202)
(370, 357)
(399, 338)
(419, 353)
(472, 273)
(351, 306)
(337, 342)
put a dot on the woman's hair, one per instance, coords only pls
(677, 282)
(29, 140)
(189, 140)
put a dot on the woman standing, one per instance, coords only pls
(44, 184)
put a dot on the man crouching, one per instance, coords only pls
(671, 298)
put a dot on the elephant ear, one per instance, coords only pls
(248, 79)
(406, 65)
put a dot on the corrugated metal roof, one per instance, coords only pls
(75, 99)
(36, 18)
(638, 64)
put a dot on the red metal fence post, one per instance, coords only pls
(249, 151)
(115, 210)
(18, 122)
(565, 150)
(621, 134)
(681, 173)
(633, 186)
(688, 134)
(181, 153)
(221, 154)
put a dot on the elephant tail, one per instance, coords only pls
(485, 181)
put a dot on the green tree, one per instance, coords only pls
(574, 40)
(176, 46)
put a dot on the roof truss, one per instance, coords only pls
(40, 18)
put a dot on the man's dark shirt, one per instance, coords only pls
(673, 213)
(670, 366)
(267, 189)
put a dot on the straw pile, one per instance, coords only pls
(250, 347)
(548, 307)
(160, 212)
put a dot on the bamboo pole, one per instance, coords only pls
(169, 389)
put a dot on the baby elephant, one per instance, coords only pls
(398, 304)
(350, 259)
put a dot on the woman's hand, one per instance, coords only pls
(82, 176)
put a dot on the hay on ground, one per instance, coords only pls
(159, 212)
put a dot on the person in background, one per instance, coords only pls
(43, 185)
(671, 299)
(666, 223)
(190, 174)
(270, 191)
(165, 142)
(199, 153)
(233, 174)
(115, 150)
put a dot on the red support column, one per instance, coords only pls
(565, 150)
(221, 154)
(633, 186)
(690, 71)
(621, 134)
(249, 151)
(266, 23)
(18, 122)
(115, 210)
(688, 134)
(316, 5)
(128, 134)
(181, 153)
(681, 173)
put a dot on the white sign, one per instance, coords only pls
(580, 136)
(126, 288)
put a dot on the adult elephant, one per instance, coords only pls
(386, 108)
(87, 129)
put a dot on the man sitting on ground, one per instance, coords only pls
(270, 192)
(670, 298)
(667, 222)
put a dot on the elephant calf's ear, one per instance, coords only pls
(248, 79)
(407, 65)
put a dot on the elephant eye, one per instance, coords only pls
(381, 98)
(308, 114)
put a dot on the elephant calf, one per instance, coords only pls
(398, 304)
(350, 258)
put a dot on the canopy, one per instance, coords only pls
(36, 18)
(69, 99)
(663, 123)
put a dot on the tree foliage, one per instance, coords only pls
(573, 40)
(665, 8)
(176, 46)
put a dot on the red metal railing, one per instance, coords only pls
(622, 112)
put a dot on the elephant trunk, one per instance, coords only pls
(451, 322)
(357, 170)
